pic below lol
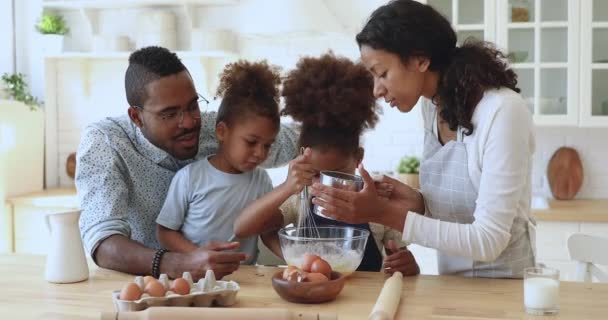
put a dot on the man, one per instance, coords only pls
(125, 166)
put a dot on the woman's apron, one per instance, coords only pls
(449, 195)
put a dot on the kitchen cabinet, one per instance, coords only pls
(23, 229)
(551, 244)
(558, 48)
(543, 43)
(561, 219)
(594, 63)
(470, 18)
(28, 233)
(555, 224)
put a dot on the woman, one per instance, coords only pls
(474, 201)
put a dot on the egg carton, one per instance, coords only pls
(204, 293)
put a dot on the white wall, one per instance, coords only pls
(28, 56)
(6, 37)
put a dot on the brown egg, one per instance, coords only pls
(288, 270)
(147, 280)
(315, 277)
(321, 266)
(130, 291)
(307, 261)
(180, 286)
(155, 289)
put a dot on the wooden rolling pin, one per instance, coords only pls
(388, 300)
(191, 313)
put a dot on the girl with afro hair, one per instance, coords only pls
(205, 197)
(331, 98)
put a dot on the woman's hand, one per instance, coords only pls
(301, 172)
(384, 190)
(400, 259)
(368, 205)
(349, 206)
(401, 192)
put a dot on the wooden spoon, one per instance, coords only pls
(565, 173)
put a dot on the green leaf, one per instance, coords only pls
(51, 23)
(408, 165)
(18, 90)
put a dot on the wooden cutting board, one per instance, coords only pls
(565, 173)
(70, 165)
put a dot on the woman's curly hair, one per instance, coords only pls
(249, 87)
(409, 29)
(332, 97)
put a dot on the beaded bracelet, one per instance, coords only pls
(156, 263)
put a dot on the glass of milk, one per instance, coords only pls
(541, 290)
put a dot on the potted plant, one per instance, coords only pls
(408, 171)
(15, 88)
(53, 29)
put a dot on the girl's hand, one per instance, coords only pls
(401, 260)
(300, 173)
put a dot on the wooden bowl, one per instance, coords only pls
(308, 292)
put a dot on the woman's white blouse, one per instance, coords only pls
(499, 156)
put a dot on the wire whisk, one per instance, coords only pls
(306, 226)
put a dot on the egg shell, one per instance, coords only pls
(307, 261)
(180, 286)
(131, 292)
(288, 270)
(155, 289)
(295, 275)
(321, 266)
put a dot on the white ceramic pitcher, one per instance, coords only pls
(65, 262)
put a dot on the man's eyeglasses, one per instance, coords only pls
(176, 116)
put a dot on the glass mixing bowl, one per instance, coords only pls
(342, 247)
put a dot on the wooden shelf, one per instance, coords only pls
(125, 55)
(602, 24)
(56, 197)
(542, 65)
(116, 4)
(523, 65)
(599, 66)
(470, 27)
(532, 25)
(574, 210)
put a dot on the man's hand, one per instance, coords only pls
(216, 256)
(400, 259)
(120, 253)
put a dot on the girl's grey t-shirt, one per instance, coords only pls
(203, 203)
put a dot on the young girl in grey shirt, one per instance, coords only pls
(206, 197)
